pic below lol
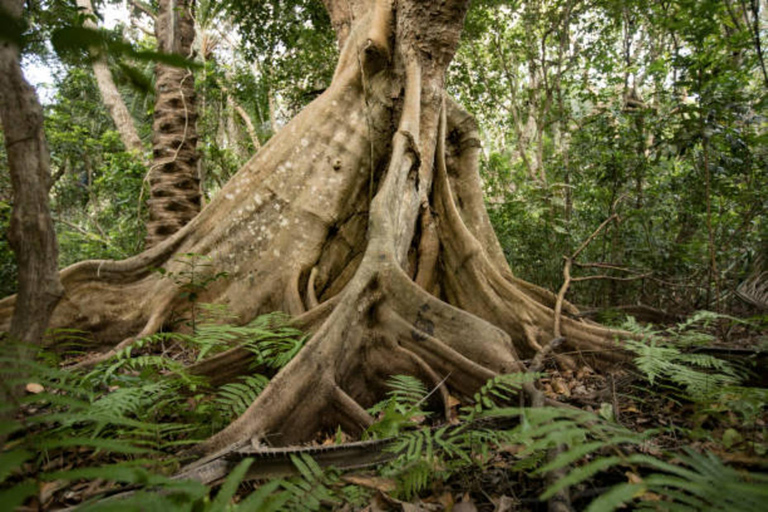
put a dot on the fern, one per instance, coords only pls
(137, 404)
(415, 477)
(234, 398)
(497, 391)
(403, 404)
(406, 393)
(313, 488)
(658, 359)
(696, 482)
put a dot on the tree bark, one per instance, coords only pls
(31, 235)
(111, 96)
(364, 219)
(173, 178)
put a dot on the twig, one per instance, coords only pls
(538, 360)
(609, 266)
(612, 278)
(103, 239)
(567, 274)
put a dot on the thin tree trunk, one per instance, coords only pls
(248, 123)
(173, 178)
(111, 96)
(31, 235)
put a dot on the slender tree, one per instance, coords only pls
(31, 235)
(109, 93)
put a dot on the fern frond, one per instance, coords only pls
(265, 498)
(414, 478)
(616, 497)
(405, 394)
(229, 488)
(13, 460)
(696, 374)
(313, 488)
(234, 398)
(17, 495)
(496, 392)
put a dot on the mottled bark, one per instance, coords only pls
(173, 178)
(364, 218)
(111, 96)
(31, 234)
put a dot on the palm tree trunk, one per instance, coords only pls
(173, 178)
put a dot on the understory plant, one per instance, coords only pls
(123, 422)
(119, 427)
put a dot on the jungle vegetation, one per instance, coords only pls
(292, 222)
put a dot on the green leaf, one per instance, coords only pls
(263, 499)
(615, 497)
(731, 437)
(109, 445)
(12, 460)
(580, 474)
(78, 39)
(16, 495)
(228, 490)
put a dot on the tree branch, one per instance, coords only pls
(146, 9)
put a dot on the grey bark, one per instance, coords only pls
(111, 96)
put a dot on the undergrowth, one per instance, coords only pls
(124, 421)
(121, 425)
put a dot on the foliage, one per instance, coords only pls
(96, 183)
(403, 406)
(8, 270)
(293, 44)
(124, 420)
(632, 108)
(681, 481)
(662, 359)
(194, 278)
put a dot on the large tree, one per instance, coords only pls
(364, 219)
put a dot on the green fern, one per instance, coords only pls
(498, 391)
(415, 477)
(405, 394)
(234, 398)
(273, 341)
(138, 404)
(658, 359)
(313, 488)
(403, 404)
(692, 483)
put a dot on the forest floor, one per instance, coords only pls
(733, 429)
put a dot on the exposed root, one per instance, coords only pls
(311, 293)
(351, 416)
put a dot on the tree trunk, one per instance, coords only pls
(31, 235)
(363, 218)
(173, 178)
(111, 96)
